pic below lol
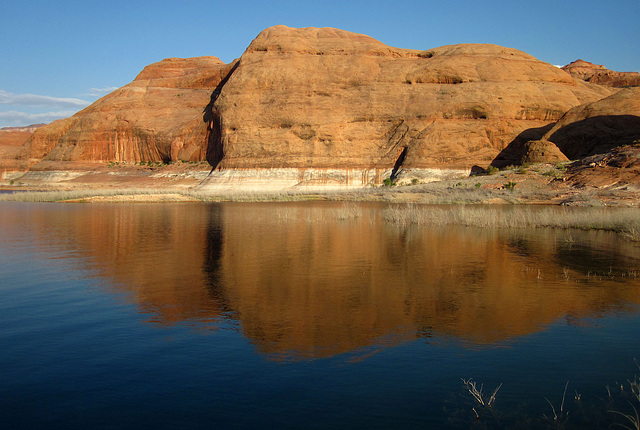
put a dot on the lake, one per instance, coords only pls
(295, 315)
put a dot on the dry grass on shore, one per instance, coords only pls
(130, 195)
(463, 208)
(625, 221)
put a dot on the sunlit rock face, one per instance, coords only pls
(157, 117)
(11, 140)
(319, 98)
(322, 98)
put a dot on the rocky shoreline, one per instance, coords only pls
(610, 179)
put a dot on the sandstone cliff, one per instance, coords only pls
(313, 99)
(599, 74)
(11, 140)
(157, 117)
(329, 98)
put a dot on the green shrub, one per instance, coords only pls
(510, 185)
(492, 170)
(560, 166)
(553, 174)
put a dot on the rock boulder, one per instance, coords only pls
(586, 130)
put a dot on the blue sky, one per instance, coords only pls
(59, 56)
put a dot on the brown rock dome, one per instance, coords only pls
(325, 98)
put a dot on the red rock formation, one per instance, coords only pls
(11, 140)
(321, 98)
(597, 127)
(157, 117)
(584, 131)
(541, 151)
(598, 74)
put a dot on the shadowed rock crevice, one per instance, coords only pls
(398, 165)
(211, 117)
(579, 139)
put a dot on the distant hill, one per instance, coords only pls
(29, 128)
(598, 74)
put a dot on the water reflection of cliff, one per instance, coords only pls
(303, 283)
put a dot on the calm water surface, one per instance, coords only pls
(289, 316)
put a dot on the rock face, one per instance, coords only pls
(157, 117)
(598, 127)
(320, 98)
(11, 140)
(586, 130)
(618, 168)
(598, 74)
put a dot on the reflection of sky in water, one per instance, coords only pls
(298, 316)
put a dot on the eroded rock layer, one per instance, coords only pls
(11, 140)
(157, 117)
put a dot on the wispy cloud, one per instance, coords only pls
(24, 109)
(99, 92)
(13, 118)
(8, 98)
